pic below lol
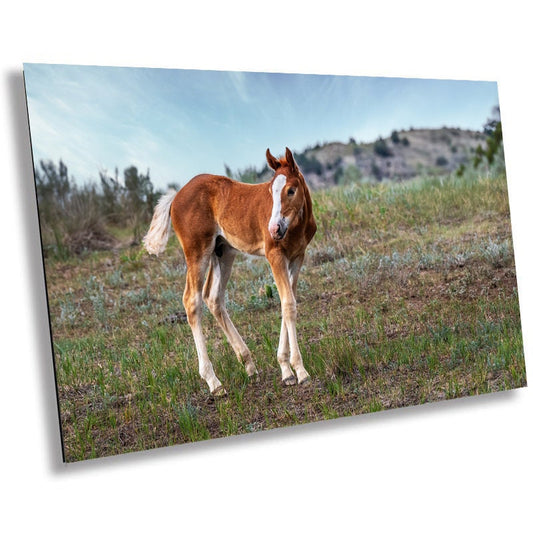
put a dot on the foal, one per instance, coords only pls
(214, 217)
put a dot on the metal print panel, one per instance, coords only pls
(230, 252)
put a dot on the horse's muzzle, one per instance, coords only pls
(278, 229)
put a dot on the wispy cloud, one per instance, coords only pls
(240, 85)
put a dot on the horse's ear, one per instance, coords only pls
(273, 163)
(290, 160)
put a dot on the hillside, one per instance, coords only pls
(402, 155)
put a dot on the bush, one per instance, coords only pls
(247, 175)
(112, 197)
(381, 148)
(73, 218)
(346, 176)
(70, 216)
(309, 165)
(376, 172)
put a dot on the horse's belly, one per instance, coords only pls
(248, 246)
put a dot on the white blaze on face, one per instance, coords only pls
(276, 218)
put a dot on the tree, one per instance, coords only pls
(174, 185)
(139, 189)
(309, 165)
(376, 172)
(228, 171)
(53, 184)
(348, 175)
(494, 142)
(70, 215)
(381, 148)
(248, 175)
(140, 198)
(112, 192)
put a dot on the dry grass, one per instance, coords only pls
(408, 295)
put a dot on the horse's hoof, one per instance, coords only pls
(251, 371)
(305, 380)
(219, 392)
(291, 380)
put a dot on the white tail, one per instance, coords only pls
(155, 241)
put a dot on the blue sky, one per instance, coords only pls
(179, 123)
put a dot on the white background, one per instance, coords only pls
(459, 465)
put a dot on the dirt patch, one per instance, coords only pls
(89, 241)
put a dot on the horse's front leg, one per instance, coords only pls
(287, 375)
(286, 276)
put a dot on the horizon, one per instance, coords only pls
(178, 123)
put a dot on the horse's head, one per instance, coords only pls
(288, 189)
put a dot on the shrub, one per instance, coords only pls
(73, 218)
(309, 165)
(381, 148)
(376, 172)
(351, 174)
(112, 197)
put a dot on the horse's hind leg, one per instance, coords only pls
(192, 301)
(213, 294)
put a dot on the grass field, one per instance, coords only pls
(408, 295)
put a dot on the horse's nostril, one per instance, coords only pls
(282, 229)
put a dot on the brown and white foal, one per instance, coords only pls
(214, 217)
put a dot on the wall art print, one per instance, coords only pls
(344, 248)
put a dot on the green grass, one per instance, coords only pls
(408, 295)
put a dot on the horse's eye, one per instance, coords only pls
(291, 192)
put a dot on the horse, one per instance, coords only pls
(214, 217)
